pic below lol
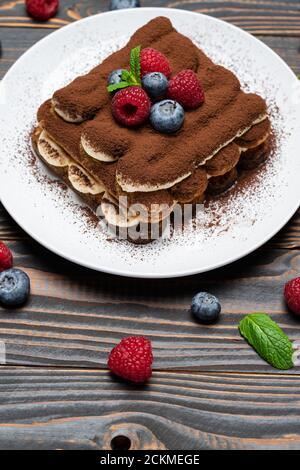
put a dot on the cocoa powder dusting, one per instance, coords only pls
(146, 156)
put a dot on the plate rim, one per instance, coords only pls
(161, 11)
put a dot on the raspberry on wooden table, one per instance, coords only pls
(14, 288)
(292, 295)
(42, 10)
(6, 258)
(132, 359)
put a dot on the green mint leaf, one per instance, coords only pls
(132, 78)
(268, 339)
(125, 75)
(117, 86)
(135, 65)
(132, 81)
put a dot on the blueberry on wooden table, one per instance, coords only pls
(14, 288)
(205, 307)
(120, 4)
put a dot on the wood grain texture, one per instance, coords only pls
(51, 409)
(75, 316)
(276, 17)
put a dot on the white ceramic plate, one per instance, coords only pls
(227, 231)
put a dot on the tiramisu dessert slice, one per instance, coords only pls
(156, 124)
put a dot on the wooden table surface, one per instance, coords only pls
(209, 389)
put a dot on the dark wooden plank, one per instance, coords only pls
(51, 409)
(75, 316)
(279, 17)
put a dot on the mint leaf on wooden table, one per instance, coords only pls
(268, 340)
(132, 77)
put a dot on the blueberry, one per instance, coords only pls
(155, 84)
(167, 116)
(206, 307)
(115, 77)
(14, 287)
(120, 4)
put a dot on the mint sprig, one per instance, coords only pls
(132, 77)
(117, 86)
(268, 339)
(135, 64)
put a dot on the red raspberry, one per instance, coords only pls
(131, 106)
(154, 61)
(292, 295)
(132, 359)
(42, 9)
(186, 89)
(6, 259)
